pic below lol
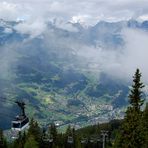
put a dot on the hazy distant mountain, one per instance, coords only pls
(56, 73)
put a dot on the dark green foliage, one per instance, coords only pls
(69, 131)
(29, 139)
(135, 96)
(144, 127)
(34, 130)
(131, 135)
(31, 142)
(3, 143)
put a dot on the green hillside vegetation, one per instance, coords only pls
(131, 132)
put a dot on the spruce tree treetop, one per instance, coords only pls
(135, 96)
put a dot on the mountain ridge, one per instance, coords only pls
(54, 72)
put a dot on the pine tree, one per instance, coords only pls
(130, 136)
(35, 130)
(31, 142)
(144, 127)
(69, 131)
(135, 96)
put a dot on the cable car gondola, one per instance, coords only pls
(21, 122)
(70, 139)
(84, 141)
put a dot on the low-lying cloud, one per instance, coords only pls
(135, 52)
(122, 63)
(118, 63)
(34, 29)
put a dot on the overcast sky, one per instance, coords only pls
(88, 11)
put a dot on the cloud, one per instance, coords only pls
(119, 63)
(122, 63)
(8, 56)
(34, 29)
(87, 12)
(135, 52)
(8, 11)
(64, 25)
(8, 30)
(12, 11)
(36, 13)
(90, 11)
